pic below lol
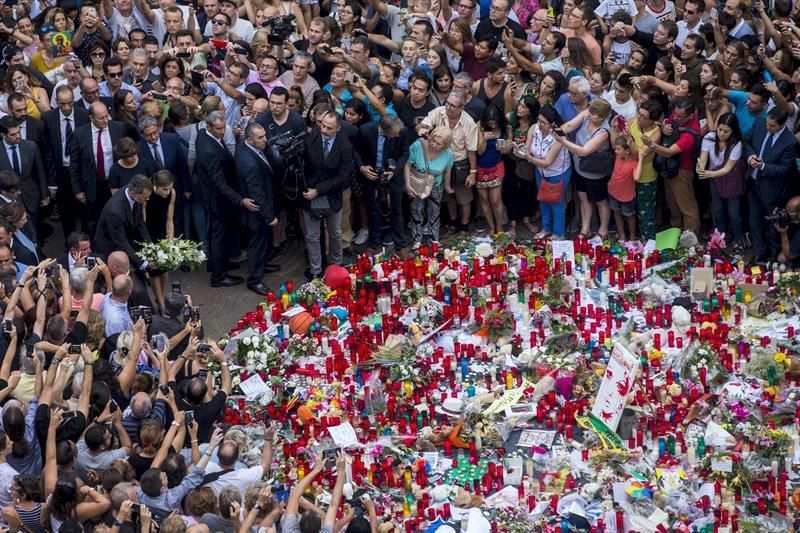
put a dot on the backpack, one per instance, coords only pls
(667, 166)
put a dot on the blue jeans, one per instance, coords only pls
(725, 208)
(553, 213)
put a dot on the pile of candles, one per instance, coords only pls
(600, 296)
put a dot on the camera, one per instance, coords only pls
(780, 217)
(288, 145)
(91, 262)
(74, 349)
(282, 28)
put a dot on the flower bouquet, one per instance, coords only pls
(258, 352)
(172, 254)
(496, 324)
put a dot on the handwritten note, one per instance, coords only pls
(254, 386)
(565, 251)
(344, 435)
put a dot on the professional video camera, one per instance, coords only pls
(780, 217)
(282, 28)
(288, 145)
(289, 148)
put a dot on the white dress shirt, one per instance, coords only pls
(108, 148)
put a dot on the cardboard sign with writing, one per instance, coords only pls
(617, 382)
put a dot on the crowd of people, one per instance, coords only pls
(246, 125)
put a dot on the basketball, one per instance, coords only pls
(300, 323)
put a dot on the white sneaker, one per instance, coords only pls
(361, 236)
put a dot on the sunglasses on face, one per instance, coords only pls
(114, 74)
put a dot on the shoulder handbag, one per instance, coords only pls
(320, 207)
(731, 185)
(550, 192)
(599, 162)
(460, 172)
(421, 182)
(524, 170)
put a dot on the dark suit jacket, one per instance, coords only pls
(174, 159)
(779, 162)
(119, 227)
(52, 151)
(255, 182)
(328, 175)
(79, 103)
(34, 131)
(23, 254)
(216, 175)
(82, 167)
(33, 182)
(393, 148)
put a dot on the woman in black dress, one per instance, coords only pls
(158, 217)
(127, 164)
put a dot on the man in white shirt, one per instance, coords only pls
(122, 16)
(188, 20)
(224, 472)
(242, 28)
(72, 79)
(230, 89)
(693, 12)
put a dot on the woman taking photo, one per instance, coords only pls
(491, 168)
(432, 159)
(593, 162)
(553, 168)
(19, 80)
(521, 197)
(722, 161)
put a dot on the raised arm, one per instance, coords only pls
(128, 374)
(166, 444)
(50, 464)
(293, 504)
(336, 499)
(219, 356)
(88, 377)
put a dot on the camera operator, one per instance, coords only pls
(781, 220)
(280, 121)
(382, 150)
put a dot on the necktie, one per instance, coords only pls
(15, 161)
(157, 156)
(101, 157)
(767, 143)
(326, 147)
(379, 155)
(68, 137)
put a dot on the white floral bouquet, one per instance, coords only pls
(259, 352)
(172, 254)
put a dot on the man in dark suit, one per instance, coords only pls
(255, 181)
(217, 187)
(121, 222)
(24, 159)
(381, 156)
(163, 150)
(329, 165)
(60, 125)
(32, 128)
(771, 156)
(90, 93)
(79, 247)
(90, 160)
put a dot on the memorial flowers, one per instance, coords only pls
(172, 254)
